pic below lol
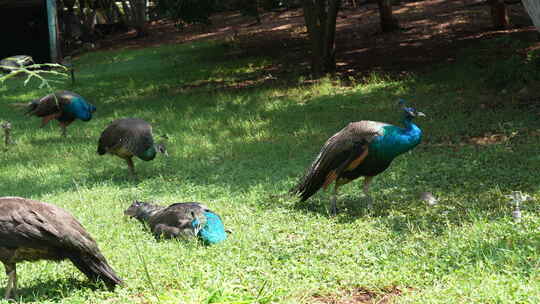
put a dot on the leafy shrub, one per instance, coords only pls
(185, 12)
(513, 72)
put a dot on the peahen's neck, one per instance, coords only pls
(149, 153)
(146, 211)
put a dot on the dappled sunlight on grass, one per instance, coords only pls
(240, 147)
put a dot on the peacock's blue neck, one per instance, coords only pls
(396, 140)
(213, 231)
(79, 108)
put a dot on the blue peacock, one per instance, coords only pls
(363, 148)
(64, 106)
(180, 220)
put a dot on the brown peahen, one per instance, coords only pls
(364, 148)
(32, 230)
(64, 106)
(179, 220)
(128, 137)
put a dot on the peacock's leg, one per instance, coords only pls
(334, 199)
(63, 127)
(11, 272)
(367, 182)
(131, 167)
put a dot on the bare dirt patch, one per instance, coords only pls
(432, 31)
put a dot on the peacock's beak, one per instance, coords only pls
(420, 114)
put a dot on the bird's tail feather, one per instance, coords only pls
(95, 267)
(19, 104)
(29, 106)
(311, 182)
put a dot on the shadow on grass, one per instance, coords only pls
(278, 145)
(54, 290)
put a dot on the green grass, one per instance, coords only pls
(239, 149)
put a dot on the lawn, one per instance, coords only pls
(239, 139)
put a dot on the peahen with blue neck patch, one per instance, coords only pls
(364, 148)
(180, 220)
(64, 106)
(128, 137)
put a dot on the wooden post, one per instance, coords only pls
(52, 19)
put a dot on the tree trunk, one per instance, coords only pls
(320, 17)
(135, 15)
(139, 16)
(388, 22)
(499, 14)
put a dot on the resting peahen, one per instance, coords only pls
(128, 137)
(364, 148)
(180, 220)
(31, 230)
(64, 106)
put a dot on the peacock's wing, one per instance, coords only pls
(47, 105)
(344, 151)
(32, 230)
(130, 134)
(177, 219)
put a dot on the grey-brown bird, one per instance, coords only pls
(128, 137)
(32, 230)
(179, 220)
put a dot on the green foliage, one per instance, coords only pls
(502, 67)
(185, 11)
(511, 73)
(240, 150)
(56, 72)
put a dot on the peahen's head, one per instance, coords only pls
(161, 147)
(410, 112)
(134, 208)
(138, 209)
